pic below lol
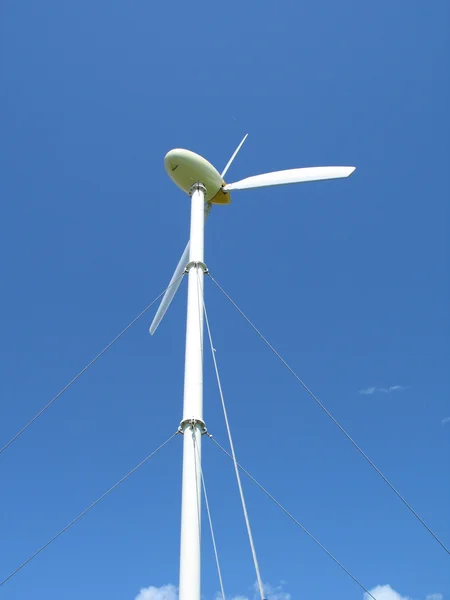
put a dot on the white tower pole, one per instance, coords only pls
(192, 424)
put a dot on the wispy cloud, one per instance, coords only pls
(435, 597)
(276, 593)
(382, 390)
(446, 420)
(368, 391)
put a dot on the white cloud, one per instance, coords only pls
(446, 420)
(373, 390)
(385, 592)
(165, 592)
(170, 592)
(270, 592)
(275, 593)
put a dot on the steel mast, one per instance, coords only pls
(192, 426)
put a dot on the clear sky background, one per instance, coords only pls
(348, 279)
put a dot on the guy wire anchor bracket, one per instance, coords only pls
(196, 264)
(191, 423)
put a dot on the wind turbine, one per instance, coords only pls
(206, 186)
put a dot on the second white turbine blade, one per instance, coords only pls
(171, 290)
(233, 157)
(290, 176)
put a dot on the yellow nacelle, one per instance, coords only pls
(186, 168)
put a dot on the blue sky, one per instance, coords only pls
(348, 279)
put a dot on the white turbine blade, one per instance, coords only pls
(174, 282)
(290, 176)
(171, 290)
(233, 157)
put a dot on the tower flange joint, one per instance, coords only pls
(198, 185)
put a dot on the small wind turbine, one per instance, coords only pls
(198, 178)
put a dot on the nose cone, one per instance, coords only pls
(186, 168)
